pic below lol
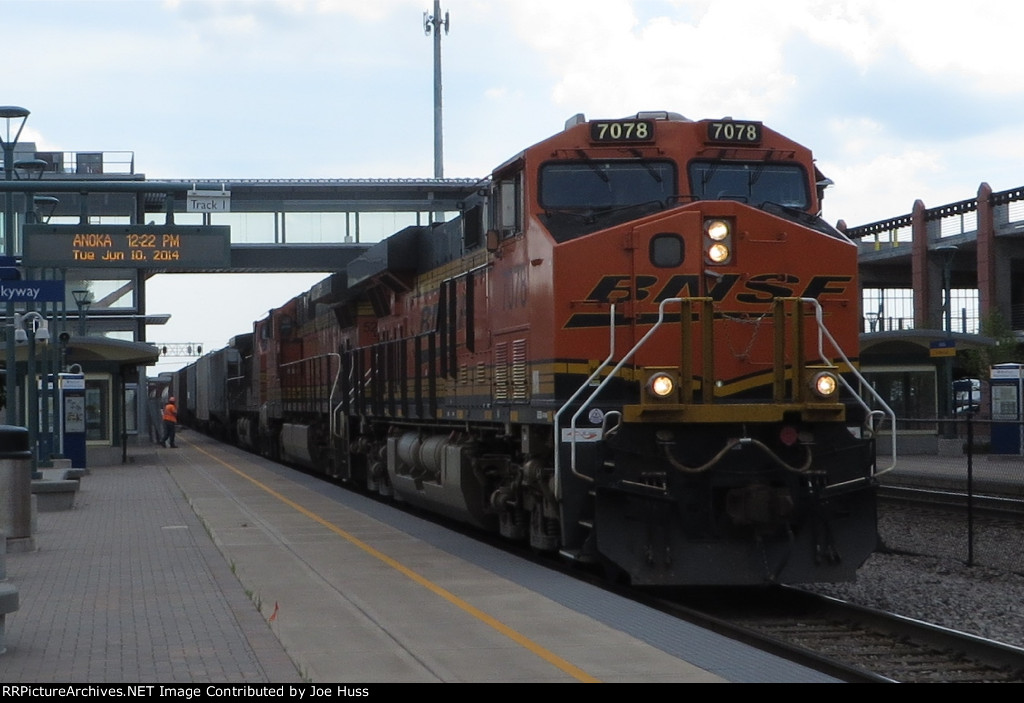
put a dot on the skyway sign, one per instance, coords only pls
(32, 291)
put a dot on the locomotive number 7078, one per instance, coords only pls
(622, 131)
(744, 132)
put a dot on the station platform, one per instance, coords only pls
(208, 564)
(994, 474)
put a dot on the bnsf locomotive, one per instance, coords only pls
(636, 346)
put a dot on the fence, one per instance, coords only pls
(973, 457)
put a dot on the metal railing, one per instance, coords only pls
(86, 163)
(970, 459)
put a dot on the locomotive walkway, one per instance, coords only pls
(204, 564)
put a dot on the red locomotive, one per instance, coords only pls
(632, 347)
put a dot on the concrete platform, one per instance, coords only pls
(206, 564)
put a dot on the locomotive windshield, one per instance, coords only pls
(580, 197)
(752, 183)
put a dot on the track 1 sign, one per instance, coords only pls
(128, 246)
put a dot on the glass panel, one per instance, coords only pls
(606, 184)
(508, 206)
(888, 309)
(104, 294)
(315, 227)
(249, 227)
(751, 183)
(910, 393)
(97, 410)
(131, 410)
(375, 226)
(581, 197)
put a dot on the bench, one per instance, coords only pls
(54, 494)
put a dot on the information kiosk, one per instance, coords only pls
(1005, 381)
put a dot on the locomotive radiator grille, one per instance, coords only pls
(520, 389)
(511, 372)
(501, 371)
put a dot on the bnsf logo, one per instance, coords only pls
(761, 288)
(728, 289)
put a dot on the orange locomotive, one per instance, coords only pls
(633, 347)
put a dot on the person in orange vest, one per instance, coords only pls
(170, 422)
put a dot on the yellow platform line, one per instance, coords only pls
(517, 637)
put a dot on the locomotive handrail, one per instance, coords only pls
(579, 391)
(605, 382)
(823, 331)
(334, 381)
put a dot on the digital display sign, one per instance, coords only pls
(172, 247)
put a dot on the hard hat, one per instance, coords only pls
(171, 399)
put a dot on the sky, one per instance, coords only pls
(899, 100)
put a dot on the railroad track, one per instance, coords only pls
(849, 642)
(999, 506)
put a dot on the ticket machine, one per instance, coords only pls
(1007, 382)
(71, 424)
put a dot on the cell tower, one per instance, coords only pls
(433, 23)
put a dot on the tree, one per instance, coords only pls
(975, 363)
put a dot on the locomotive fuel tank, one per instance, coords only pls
(437, 472)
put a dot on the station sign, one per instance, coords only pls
(208, 201)
(942, 347)
(170, 247)
(32, 291)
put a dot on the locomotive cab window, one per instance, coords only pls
(473, 227)
(580, 197)
(509, 210)
(751, 183)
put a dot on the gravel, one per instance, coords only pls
(920, 571)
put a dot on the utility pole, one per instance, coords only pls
(433, 23)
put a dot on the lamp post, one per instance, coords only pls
(948, 252)
(17, 115)
(34, 169)
(83, 299)
(29, 328)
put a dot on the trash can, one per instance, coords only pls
(15, 483)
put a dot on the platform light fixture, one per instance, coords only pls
(83, 299)
(29, 328)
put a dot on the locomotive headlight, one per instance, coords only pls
(717, 241)
(661, 385)
(825, 384)
(717, 230)
(718, 253)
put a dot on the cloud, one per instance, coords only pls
(976, 45)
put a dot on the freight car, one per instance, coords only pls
(636, 345)
(202, 403)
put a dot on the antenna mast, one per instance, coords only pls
(433, 23)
